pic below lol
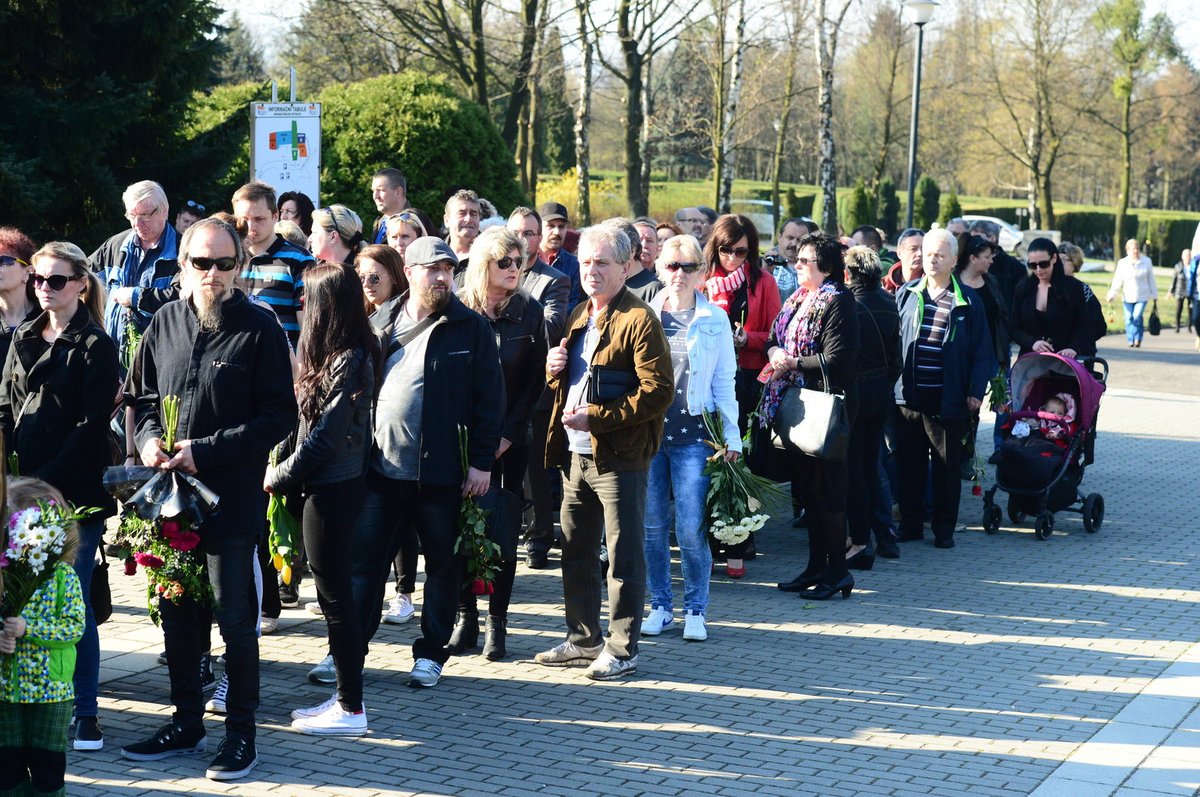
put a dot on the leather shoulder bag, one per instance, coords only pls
(813, 422)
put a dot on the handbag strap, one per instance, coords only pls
(824, 372)
(879, 334)
(409, 336)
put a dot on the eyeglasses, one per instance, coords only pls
(208, 263)
(369, 279)
(135, 217)
(1041, 263)
(55, 282)
(686, 268)
(505, 263)
(194, 207)
(740, 251)
(9, 260)
(806, 261)
(692, 221)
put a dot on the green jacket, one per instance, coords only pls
(42, 668)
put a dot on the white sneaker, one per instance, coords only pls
(660, 620)
(400, 610)
(568, 654)
(693, 627)
(312, 607)
(313, 711)
(608, 667)
(268, 625)
(425, 672)
(324, 673)
(216, 703)
(333, 721)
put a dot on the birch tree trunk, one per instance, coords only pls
(827, 37)
(583, 116)
(729, 161)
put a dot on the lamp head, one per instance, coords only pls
(919, 11)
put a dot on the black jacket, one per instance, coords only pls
(1009, 273)
(334, 448)
(236, 401)
(878, 336)
(839, 344)
(463, 387)
(1066, 323)
(56, 404)
(521, 337)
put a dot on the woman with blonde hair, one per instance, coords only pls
(491, 287)
(402, 229)
(58, 393)
(336, 234)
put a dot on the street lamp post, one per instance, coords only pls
(919, 11)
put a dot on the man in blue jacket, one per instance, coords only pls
(948, 362)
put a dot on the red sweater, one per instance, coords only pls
(764, 304)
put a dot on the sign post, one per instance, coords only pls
(285, 146)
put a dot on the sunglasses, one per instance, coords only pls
(505, 263)
(740, 251)
(55, 282)
(208, 263)
(686, 268)
(1041, 263)
(9, 260)
(332, 220)
(194, 206)
(369, 279)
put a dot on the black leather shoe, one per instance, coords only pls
(944, 542)
(170, 740)
(537, 560)
(494, 639)
(465, 635)
(823, 592)
(885, 546)
(863, 560)
(800, 582)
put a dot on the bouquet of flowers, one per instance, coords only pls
(284, 528)
(482, 554)
(735, 495)
(162, 510)
(35, 540)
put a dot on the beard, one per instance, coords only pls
(208, 310)
(434, 300)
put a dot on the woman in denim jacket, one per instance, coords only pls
(703, 359)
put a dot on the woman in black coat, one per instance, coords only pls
(491, 288)
(1049, 312)
(817, 327)
(972, 268)
(879, 365)
(59, 390)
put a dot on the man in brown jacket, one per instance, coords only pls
(604, 448)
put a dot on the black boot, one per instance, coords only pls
(494, 638)
(465, 636)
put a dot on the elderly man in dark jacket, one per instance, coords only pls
(227, 362)
(441, 377)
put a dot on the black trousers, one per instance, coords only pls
(921, 437)
(391, 509)
(509, 472)
(231, 573)
(330, 514)
(1180, 315)
(540, 535)
(862, 460)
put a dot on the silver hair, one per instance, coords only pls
(145, 189)
(185, 242)
(937, 236)
(612, 236)
(989, 229)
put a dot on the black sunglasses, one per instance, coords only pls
(194, 206)
(741, 251)
(56, 282)
(9, 260)
(207, 263)
(333, 219)
(1041, 263)
(505, 263)
(686, 268)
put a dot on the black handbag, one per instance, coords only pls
(609, 384)
(1155, 322)
(813, 422)
(505, 513)
(101, 594)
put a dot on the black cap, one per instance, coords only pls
(549, 211)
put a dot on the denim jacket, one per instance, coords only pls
(713, 364)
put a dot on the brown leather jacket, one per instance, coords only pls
(625, 433)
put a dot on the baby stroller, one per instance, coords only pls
(1043, 455)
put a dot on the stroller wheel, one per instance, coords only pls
(1014, 514)
(991, 518)
(1044, 526)
(1093, 513)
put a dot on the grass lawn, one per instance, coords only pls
(1101, 281)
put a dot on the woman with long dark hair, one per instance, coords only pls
(975, 255)
(750, 297)
(814, 343)
(1049, 312)
(296, 206)
(335, 389)
(59, 389)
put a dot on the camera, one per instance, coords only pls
(774, 261)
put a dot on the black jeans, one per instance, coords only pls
(231, 573)
(862, 459)
(919, 438)
(391, 509)
(509, 473)
(330, 514)
(540, 535)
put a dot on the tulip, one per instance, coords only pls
(479, 587)
(286, 574)
(277, 560)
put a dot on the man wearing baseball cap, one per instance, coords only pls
(556, 224)
(441, 374)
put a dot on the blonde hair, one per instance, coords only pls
(291, 231)
(491, 245)
(342, 220)
(406, 217)
(93, 296)
(1072, 253)
(682, 248)
(23, 493)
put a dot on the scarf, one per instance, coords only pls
(797, 329)
(720, 290)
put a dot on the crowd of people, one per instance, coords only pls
(377, 376)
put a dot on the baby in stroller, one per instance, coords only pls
(1055, 421)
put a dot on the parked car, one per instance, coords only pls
(1010, 236)
(759, 212)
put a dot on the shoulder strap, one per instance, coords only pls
(411, 335)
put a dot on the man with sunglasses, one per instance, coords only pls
(227, 361)
(134, 262)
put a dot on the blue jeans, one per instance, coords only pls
(87, 650)
(1134, 325)
(678, 468)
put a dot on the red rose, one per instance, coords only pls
(491, 588)
(976, 490)
(170, 527)
(130, 566)
(148, 560)
(479, 587)
(185, 540)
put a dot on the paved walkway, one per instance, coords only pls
(1006, 666)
